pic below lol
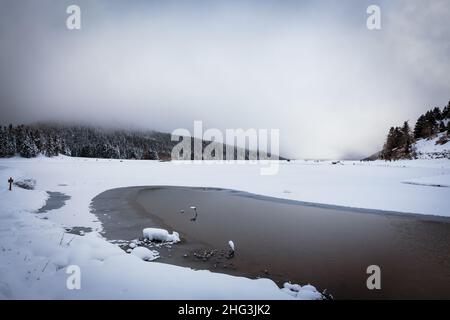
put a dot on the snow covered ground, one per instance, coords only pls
(35, 252)
(432, 148)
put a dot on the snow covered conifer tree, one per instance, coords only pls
(11, 145)
(420, 124)
(446, 112)
(406, 139)
(437, 114)
(3, 142)
(28, 148)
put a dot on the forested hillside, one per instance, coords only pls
(83, 141)
(428, 138)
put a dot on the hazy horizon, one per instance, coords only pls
(310, 69)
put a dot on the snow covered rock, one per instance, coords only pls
(132, 245)
(145, 254)
(156, 234)
(307, 292)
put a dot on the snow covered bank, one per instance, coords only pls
(36, 253)
(371, 185)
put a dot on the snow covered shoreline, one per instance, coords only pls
(376, 185)
(35, 250)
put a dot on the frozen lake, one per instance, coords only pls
(284, 240)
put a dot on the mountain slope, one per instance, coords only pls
(433, 148)
(428, 140)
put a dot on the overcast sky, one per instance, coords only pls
(309, 68)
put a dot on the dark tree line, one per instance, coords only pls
(82, 141)
(79, 141)
(398, 143)
(400, 140)
(432, 122)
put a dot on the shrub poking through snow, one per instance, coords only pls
(145, 254)
(156, 234)
(28, 184)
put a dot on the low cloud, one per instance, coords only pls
(312, 70)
